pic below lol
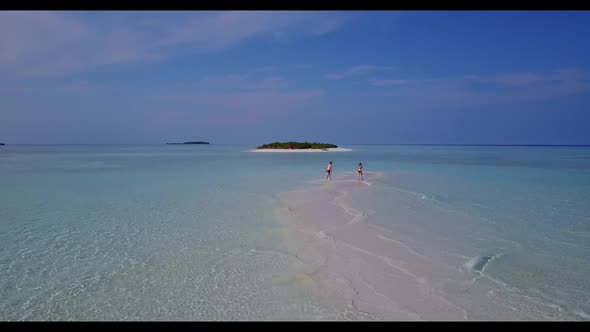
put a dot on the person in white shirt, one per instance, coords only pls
(329, 171)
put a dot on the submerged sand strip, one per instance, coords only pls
(365, 269)
(377, 252)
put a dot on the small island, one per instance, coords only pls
(188, 143)
(2, 144)
(297, 147)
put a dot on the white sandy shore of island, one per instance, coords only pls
(301, 150)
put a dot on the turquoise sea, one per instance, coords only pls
(213, 232)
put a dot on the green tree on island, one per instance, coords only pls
(296, 145)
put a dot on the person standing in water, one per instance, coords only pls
(329, 171)
(360, 172)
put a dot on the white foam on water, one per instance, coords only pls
(477, 264)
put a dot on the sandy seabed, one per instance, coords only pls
(360, 268)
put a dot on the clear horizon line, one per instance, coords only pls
(398, 144)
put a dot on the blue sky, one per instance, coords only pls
(252, 77)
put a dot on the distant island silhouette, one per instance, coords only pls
(2, 144)
(188, 143)
(296, 145)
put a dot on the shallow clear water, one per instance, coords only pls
(191, 232)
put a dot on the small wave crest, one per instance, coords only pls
(477, 264)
